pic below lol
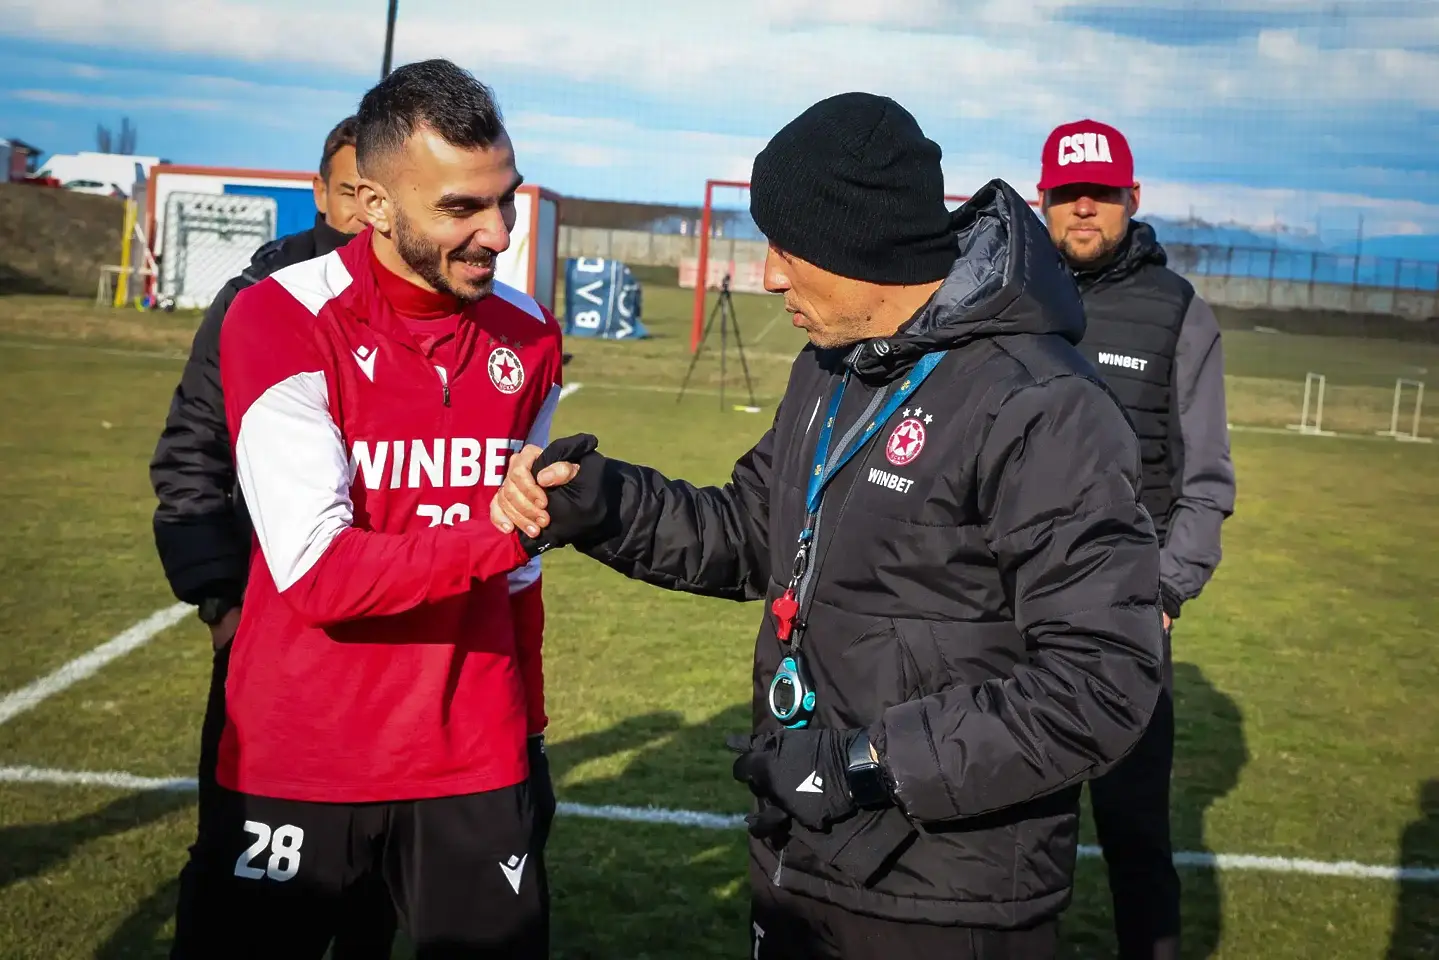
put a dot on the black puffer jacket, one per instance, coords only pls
(989, 610)
(201, 529)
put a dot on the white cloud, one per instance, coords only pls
(1009, 64)
(65, 98)
(1270, 208)
(761, 50)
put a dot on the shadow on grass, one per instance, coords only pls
(1416, 906)
(637, 890)
(1210, 751)
(30, 850)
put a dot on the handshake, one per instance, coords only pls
(570, 494)
(556, 496)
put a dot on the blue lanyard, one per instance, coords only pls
(819, 477)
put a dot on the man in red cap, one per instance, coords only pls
(1157, 345)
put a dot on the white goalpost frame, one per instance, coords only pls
(1315, 429)
(1413, 435)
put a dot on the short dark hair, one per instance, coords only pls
(341, 137)
(434, 94)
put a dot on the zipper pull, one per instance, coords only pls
(444, 382)
(447, 394)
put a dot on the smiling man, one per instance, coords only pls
(384, 700)
(1157, 344)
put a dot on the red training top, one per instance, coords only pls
(389, 643)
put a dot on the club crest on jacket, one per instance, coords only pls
(506, 371)
(906, 441)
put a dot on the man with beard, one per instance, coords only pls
(943, 521)
(201, 530)
(384, 711)
(1157, 344)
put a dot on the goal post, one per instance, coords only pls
(725, 222)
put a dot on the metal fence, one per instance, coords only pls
(1234, 276)
(1312, 280)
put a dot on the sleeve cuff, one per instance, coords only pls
(1170, 600)
(903, 742)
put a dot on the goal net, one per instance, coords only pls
(728, 244)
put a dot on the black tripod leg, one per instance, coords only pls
(724, 341)
(698, 350)
(739, 346)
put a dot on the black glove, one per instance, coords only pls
(802, 772)
(579, 510)
(542, 788)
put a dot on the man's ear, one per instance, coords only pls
(374, 203)
(1134, 199)
(322, 196)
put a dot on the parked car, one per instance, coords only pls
(95, 187)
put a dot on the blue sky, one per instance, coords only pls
(1249, 111)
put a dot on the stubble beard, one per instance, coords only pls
(426, 259)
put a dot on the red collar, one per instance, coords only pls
(407, 299)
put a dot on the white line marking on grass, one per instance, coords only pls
(32, 695)
(732, 821)
(679, 818)
(88, 348)
(95, 778)
(568, 389)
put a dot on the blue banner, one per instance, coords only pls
(602, 299)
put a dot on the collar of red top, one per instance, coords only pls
(408, 300)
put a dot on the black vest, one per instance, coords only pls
(1134, 306)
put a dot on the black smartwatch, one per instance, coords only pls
(213, 609)
(868, 783)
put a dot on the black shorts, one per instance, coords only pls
(270, 878)
(365, 927)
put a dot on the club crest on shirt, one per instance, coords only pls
(506, 371)
(905, 442)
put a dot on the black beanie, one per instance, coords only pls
(853, 186)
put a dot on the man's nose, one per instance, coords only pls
(493, 234)
(775, 280)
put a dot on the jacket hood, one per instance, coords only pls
(1009, 278)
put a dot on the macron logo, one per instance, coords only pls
(1118, 360)
(1088, 147)
(365, 357)
(514, 871)
(813, 783)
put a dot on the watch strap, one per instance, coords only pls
(865, 776)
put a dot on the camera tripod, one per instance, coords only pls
(724, 311)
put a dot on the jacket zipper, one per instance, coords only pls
(444, 382)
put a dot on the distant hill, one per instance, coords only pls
(54, 241)
(1405, 247)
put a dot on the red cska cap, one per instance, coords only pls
(1086, 151)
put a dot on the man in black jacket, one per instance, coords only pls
(1157, 345)
(201, 529)
(962, 587)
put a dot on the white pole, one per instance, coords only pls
(1319, 411)
(1304, 416)
(1418, 406)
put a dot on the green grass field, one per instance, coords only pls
(1307, 685)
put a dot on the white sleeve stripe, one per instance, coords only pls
(540, 436)
(295, 477)
(519, 299)
(525, 576)
(540, 430)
